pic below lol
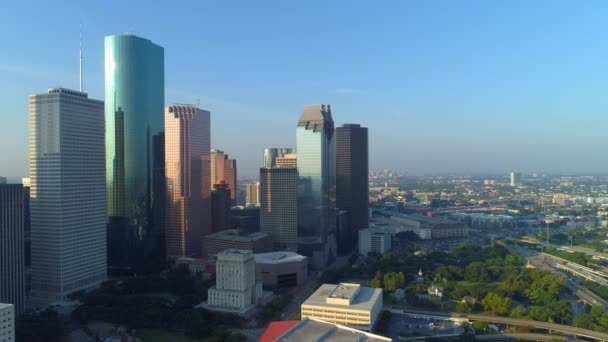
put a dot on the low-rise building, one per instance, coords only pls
(439, 227)
(347, 304)
(311, 329)
(234, 239)
(377, 240)
(7, 322)
(281, 269)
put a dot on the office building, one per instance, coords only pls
(245, 219)
(220, 207)
(135, 156)
(67, 194)
(347, 304)
(236, 289)
(288, 160)
(272, 153)
(279, 206)
(352, 186)
(515, 179)
(375, 240)
(253, 194)
(7, 322)
(187, 174)
(257, 242)
(281, 269)
(12, 253)
(317, 185)
(429, 227)
(27, 230)
(312, 329)
(224, 169)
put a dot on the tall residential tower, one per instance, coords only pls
(67, 194)
(188, 174)
(135, 156)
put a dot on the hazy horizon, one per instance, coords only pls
(464, 88)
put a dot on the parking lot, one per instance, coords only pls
(402, 324)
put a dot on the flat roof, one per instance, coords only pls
(311, 329)
(364, 299)
(4, 305)
(345, 291)
(233, 235)
(278, 257)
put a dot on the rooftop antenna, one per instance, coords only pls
(81, 56)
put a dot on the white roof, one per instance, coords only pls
(364, 299)
(278, 257)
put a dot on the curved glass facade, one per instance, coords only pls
(134, 120)
(271, 154)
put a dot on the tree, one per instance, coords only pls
(519, 311)
(463, 307)
(476, 272)
(377, 281)
(495, 303)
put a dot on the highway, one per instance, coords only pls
(523, 336)
(514, 321)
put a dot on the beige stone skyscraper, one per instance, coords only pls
(188, 174)
(253, 194)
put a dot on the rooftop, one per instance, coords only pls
(363, 299)
(4, 305)
(311, 329)
(237, 251)
(278, 257)
(234, 235)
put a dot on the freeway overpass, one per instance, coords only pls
(565, 329)
(524, 337)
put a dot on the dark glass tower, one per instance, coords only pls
(352, 187)
(316, 185)
(135, 161)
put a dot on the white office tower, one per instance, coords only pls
(374, 240)
(236, 289)
(68, 195)
(7, 323)
(515, 179)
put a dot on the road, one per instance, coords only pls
(523, 337)
(516, 321)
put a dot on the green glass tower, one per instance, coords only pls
(134, 120)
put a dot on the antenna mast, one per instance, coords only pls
(81, 56)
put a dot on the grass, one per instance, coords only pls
(162, 336)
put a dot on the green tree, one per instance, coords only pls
(519, 311)
(476, 272)
(496, 304)
(377, 281)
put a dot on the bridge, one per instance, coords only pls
(565, 329)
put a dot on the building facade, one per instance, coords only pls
(281, 269)
(187, 174)
(375, 240)
(12, 245)
(317, 185)
(279, 206)
(352, 186)
(7, 323)
(288, 160)
(347, 304)
(135, 156)
(236, 289)
(515, 179)
(272, 153)
(216, 243)
(224, 169)
(220, 207)
(67, 194)
(253, 194)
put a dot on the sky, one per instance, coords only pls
(443, 86)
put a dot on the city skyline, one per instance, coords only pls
(468, 100)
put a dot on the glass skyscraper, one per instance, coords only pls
(134, 120)
(271, 154)
(316, 185)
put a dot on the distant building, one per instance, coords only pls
(272, 153)
(187, 160)
(279, 206)
(312, 329)
(289, 160)
(224, 169)
(430, 227)
(352, 185)
(252, 194)
(2, 180)
(68, 194)
(281, 269)
(420, 277)
(375, 240)
(515, 179)
(215, 243)
(236, 289)
(245, 219)
(485, 221)
(349, 304)
(435, 292)
(12, 254)
(7, 322)
(220, 207)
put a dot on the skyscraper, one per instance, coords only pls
(289, 160)
(317, 185)
(253, 194)
(352, 187)
(279, 206)
(220, 206)
(515, 179)
(135, 157)
(67, 194)
(272, 153)
(12, 254)
(224, 169)
(188, 171)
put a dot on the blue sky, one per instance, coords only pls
(444, 86)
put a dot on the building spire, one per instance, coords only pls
(80, 56)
